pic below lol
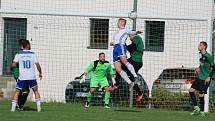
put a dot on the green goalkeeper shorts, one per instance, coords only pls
(99, 83)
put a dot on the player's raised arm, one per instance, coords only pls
(130, 32)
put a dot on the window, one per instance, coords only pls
(99, 33)
(14, 29)
(154, 38)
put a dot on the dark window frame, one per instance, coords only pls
(99, 33)
(154, 36)
(13, 31)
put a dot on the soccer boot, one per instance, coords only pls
(196, 111)
(87, 105)
(113, 88)
(131, 85)
(106, 106)
(138, 99)
(136, 80)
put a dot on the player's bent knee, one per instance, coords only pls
(92, 90)
(124, 59)
(35, 88)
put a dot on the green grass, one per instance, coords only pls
(76, 112)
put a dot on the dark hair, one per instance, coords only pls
(204, 43)
(123, 20)
(101, 53)
(20, 41)
(25, 43)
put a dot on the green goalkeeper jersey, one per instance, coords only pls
(206, 65)
(100, 71)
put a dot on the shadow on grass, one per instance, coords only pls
(126, 110)
(28, 108)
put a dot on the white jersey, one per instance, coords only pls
(121, 35)
(26, 60)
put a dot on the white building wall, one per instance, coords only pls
(189, 8)
(61, 41)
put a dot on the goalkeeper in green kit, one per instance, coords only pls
(100, 69)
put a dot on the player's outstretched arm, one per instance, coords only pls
(83, 77)
(134, 32)
(86, 71)
(139, 32)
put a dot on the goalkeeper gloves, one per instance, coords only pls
(83, 79)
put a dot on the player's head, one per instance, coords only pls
(121, 22)
(101, 57)
(25, 44)
(132, 36)
(202, 46)
(20, 43)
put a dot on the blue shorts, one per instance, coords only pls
(118, 51)
(21, 84)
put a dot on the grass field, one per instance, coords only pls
(76, 112)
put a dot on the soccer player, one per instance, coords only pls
(119, 51)
(27, 61)
(205, 72)
(99, 78)
(25, 91)
(136, 49)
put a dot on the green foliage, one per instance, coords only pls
(162, 98)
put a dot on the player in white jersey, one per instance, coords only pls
(119, 51)
(27, 61)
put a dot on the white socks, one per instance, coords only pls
(38, 102)
(131, 69)
(124, 75)
(13, 105)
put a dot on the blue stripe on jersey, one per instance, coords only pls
(120, 39)
(25, 52)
